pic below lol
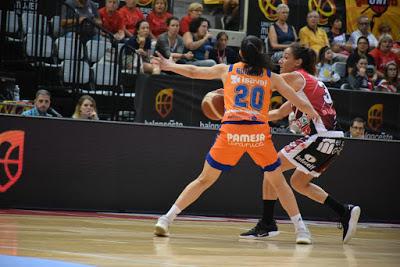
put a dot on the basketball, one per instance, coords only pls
(213, 105)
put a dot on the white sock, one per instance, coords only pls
(298, 222)
(172, 213)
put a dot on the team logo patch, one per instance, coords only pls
(11, 158)
(164, 102)
(325, 9)
(375, 117)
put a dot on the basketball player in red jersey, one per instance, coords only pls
(310, 155)
(248, 86)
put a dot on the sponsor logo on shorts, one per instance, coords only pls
(310, 158)
(305, 163)
(246, 140)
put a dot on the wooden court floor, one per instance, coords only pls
(127, 240)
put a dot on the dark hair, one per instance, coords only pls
(334, 18)
(139, 23)
(321, 56)
(168, 21)
(355, 70)
(252, 55)
(220, 34)
(307, 55)
(362, 38)
(42, 92)
(386, 72)
(195, 24)
(357, 119)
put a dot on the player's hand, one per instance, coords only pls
(163, 62)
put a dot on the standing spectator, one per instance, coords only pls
(311, 36)
(42, 106)
(281, 35)
(363, 30)
(357, 128)
(157, 18)
(170, 43)
(338, 38)
(85, 109)
(325, 72)
(85, 9)
(391, 81)
(383, 54)
(194, 11)
(112, 20)
(231, 18)
(358, 78)
(198, 40)
(131, 15)
(361, 50)
(222, 53)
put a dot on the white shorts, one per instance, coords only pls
(313, 154)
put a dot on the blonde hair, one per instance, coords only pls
(165, 4)
(77, 113)
(194, 6)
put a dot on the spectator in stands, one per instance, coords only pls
(311, 35)
(357, 128)
(363, 30)
(338, 39)
(281, 35)
(325, 72)
(83, 9)
(194, 11)
(157, 18)
(384, 28)
(383, 54)
(42, 106)
(231, 18)
(170, 43)
(358, 78)
(198, 40)
(85, 109)
(222, 53)
(142, 43)
(131, 15)
(112, 20)
(391, 81)
(361, 50)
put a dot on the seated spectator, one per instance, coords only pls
(194, 11)
(170, 43)
(281, 35)
(383, 54)
(42, 106)
(361, 50)
(112, 20)
(384, 28)
(357, 128)
(131, 15)
(85, 109)
(325, 72)
(311, 35)
(157, 18)
(231, 18)
(198, 40)
(222, 53)
(142, 43)
(363, 30)
(338, 39)
(391, 81)
(358, 78)
(86, 9)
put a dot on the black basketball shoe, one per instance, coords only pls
(349, 221)
(261, 231)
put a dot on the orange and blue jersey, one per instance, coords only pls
(245, 123)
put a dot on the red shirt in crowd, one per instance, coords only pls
(112, 22)
(158, 24)
(131, 17)
(382, 59)
(184, 24)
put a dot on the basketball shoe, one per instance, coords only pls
(161, 227)
(349, 221)
(303, 236)
(261, 231)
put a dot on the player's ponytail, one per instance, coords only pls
(252, 54)
(307, 55)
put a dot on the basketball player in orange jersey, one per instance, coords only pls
(248, 86)
(310, 155)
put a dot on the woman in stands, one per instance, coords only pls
(248, 87)
(310, 155)
(85, 109)
(391, 81)
(194, 11)
(383, 54)
(361, 50)
(131, 15)
(222, 53)
(281, 35)
(157, 18)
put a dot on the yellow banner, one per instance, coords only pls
(378, 11)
